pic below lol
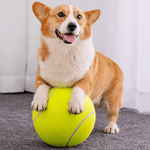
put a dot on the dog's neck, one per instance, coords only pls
(56, 44)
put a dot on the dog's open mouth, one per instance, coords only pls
(68, 38)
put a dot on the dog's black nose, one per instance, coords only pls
(71, 26)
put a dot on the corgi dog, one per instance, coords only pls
(67, 58)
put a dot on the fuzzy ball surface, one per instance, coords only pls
(57, 127)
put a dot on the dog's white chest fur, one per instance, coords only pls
(66, 63)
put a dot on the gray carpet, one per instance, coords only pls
(17, 131)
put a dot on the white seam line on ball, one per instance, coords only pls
(78, 127)
(50, 94)
(47, 101)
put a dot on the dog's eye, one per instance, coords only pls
(79, 17)
(61, 14)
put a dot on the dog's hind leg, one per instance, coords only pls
(113, 100)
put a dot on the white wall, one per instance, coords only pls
(12, 45)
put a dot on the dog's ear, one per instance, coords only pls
(92, 15)
(40, 10)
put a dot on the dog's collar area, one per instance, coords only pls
(67, 38)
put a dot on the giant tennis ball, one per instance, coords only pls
(57, 127)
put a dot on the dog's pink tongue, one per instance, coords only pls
(69, 38)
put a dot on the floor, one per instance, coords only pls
(17, 131)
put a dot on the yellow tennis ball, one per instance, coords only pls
(57, 127)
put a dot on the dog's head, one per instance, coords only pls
(64, 22)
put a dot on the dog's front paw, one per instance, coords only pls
(112, 128)
(39, 102)
(76, 106)
(76, 103)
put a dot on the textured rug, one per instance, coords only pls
(17, 131)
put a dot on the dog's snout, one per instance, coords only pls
(71, 26)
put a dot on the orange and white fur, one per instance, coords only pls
(67, 58)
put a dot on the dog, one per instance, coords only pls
(67, 58)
